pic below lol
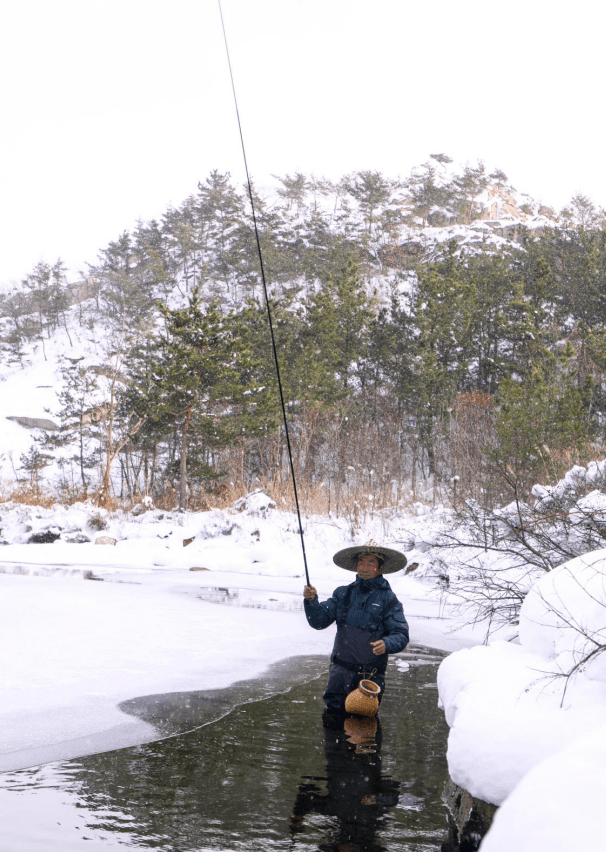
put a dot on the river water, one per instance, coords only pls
(262, 769)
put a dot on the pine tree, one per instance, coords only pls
(180, 234)
(197, 387)
(373, 192)
(79, 399)
(218, 216)
(467, 186)
(508, 323)
(293, 190)
(151, 260)
(46, 287)
(543, 423)
(33, 463)
(428, 199)
(337, 328)
(126, 289)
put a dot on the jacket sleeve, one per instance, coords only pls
(321, 615)
(396, 628)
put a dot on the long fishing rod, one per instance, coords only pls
(269, 317)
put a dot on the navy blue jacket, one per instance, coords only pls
(369, 605)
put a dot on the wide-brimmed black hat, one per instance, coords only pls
(393, 560)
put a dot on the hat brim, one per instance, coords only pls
(393, 560)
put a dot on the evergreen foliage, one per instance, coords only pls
(78, 437)
(398, 363)
(194, 389)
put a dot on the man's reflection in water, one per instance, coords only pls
(357, 795)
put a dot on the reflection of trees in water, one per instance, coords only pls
(233, 783)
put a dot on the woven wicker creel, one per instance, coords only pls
(364, 700)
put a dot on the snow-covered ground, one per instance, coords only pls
(84, 626)
(528, 720)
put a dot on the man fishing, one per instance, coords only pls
(370, 620)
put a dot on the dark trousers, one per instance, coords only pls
(342, 681)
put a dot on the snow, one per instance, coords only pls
(575, 479)
(558, 805)
(85, 626)
(527, 720)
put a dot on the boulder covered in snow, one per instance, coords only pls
(44, 537)
(35, 423)
(256, 503)
(140, 508)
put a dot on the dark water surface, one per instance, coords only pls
(271, 774)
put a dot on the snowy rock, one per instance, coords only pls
(593, 504)
(139, 509)
(505, 717)
(215, 523)
(105, 539)
(257, 503)
(78, 538)
(596, 471)
(46, 537)
(425, 546)
(575, 477)
(541, 491)
(35, 423)
(472, 817)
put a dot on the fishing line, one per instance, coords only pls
(269, 316)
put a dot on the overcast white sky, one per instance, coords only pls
(113, 109)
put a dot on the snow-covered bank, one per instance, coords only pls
(74, 648)
(525, 736)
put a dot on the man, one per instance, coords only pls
(370, 620)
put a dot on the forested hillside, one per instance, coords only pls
(442, 335)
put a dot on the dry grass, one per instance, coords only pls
(27, 496)
(355, 506)
(46, 498)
